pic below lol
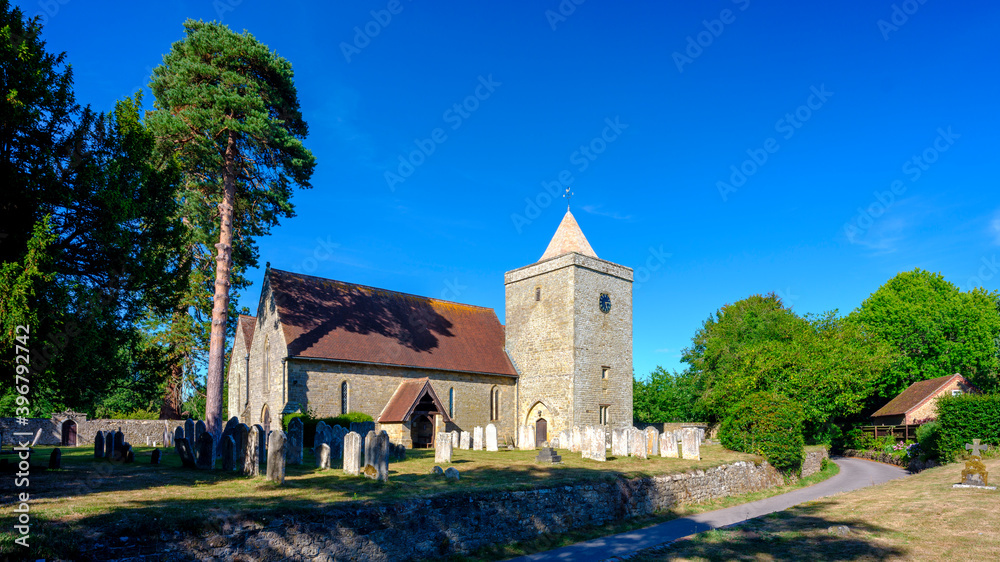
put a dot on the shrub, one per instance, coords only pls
(344, 420)
(766, 424)
(928, 436)
(964, 418)
(309, 423)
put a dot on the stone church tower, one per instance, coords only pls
(569, 333)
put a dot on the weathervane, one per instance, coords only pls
(568, 195)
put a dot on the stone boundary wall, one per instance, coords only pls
(813, 462)
(136, 431)
(436, 527)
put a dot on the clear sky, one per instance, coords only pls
(719, 148)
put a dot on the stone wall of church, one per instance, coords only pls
(539, 334)
(316, 386)
(237, 378)
(603, 340)
(267, 349)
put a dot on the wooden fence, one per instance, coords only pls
(901, 432)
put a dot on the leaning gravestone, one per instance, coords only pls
(598, 444)
(442, 448)
(185, 453)
(352, 453)
(55, 459)
(206, 451)
(689, 444)
(477, 438)
(99, 445)
(251, 455)
(668, 445)
(155, 457)
(652, 441)
(465, 441)
(294, 441)
(189, 430)
(276, 450)
(228, 449)
(322, 454)
(491, 437)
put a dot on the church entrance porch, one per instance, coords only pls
(422, 432)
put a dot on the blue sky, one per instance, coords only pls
(721, 149)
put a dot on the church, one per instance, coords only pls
(421, 365)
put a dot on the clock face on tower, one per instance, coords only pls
(605, 303)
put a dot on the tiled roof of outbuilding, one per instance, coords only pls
(915, 395)
(326, 319)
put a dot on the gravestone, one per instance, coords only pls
(240, 435)
(455, 437)
(442, 448)
(437, 471)
(565, 439)
(975, 473)
(491, 437)
(262, 444)
(99, 445)
(109, 445)
(638, 444)
(377, 456)
(652, 442)
(337, 444)
(529, 432)
(155, 457)
(522, 437)
(276, 451)
(323, 435)
(598, 444)
(690, 448)
(577, 440)
(189, 430)
(185, 452)
(199, 428)
(451, 473)
(477, 438)
(178, 433)
(55, 459)
(206, 451)
(668, 445)
(231, 425)
(586, 435)
(619, 443)
(398, 452)
(352, 453)
(251, 455)
(465, 441)
(548, 455)
(129, 456)
(362, 429)
(167, 436)
(118, 453)
(294, 441)
(228, 449)
(322, 454)
(554, 442)
(371, 443)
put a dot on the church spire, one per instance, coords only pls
(568, 238)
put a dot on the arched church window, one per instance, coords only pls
(451, 402)
(495, 403)
(343, 397)
(538, 293)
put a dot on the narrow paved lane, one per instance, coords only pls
(854, 474)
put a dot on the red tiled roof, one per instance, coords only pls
(408, 394)
(915, 395)
(247, 324)
(326, 319)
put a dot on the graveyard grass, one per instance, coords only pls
(920, 517)
(93, 499)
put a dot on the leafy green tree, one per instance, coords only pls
(228, 114)
(935, 328)
(667, 397)
(824, 364)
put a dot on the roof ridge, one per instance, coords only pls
(381, 289)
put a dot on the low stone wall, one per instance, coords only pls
(813, 462)
(435, 527)
(136, 431)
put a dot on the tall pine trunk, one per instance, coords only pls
(220, 308)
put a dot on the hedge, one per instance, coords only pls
(309, 423)
(964, 418)
(766, 424)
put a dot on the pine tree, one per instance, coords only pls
(228, 114)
